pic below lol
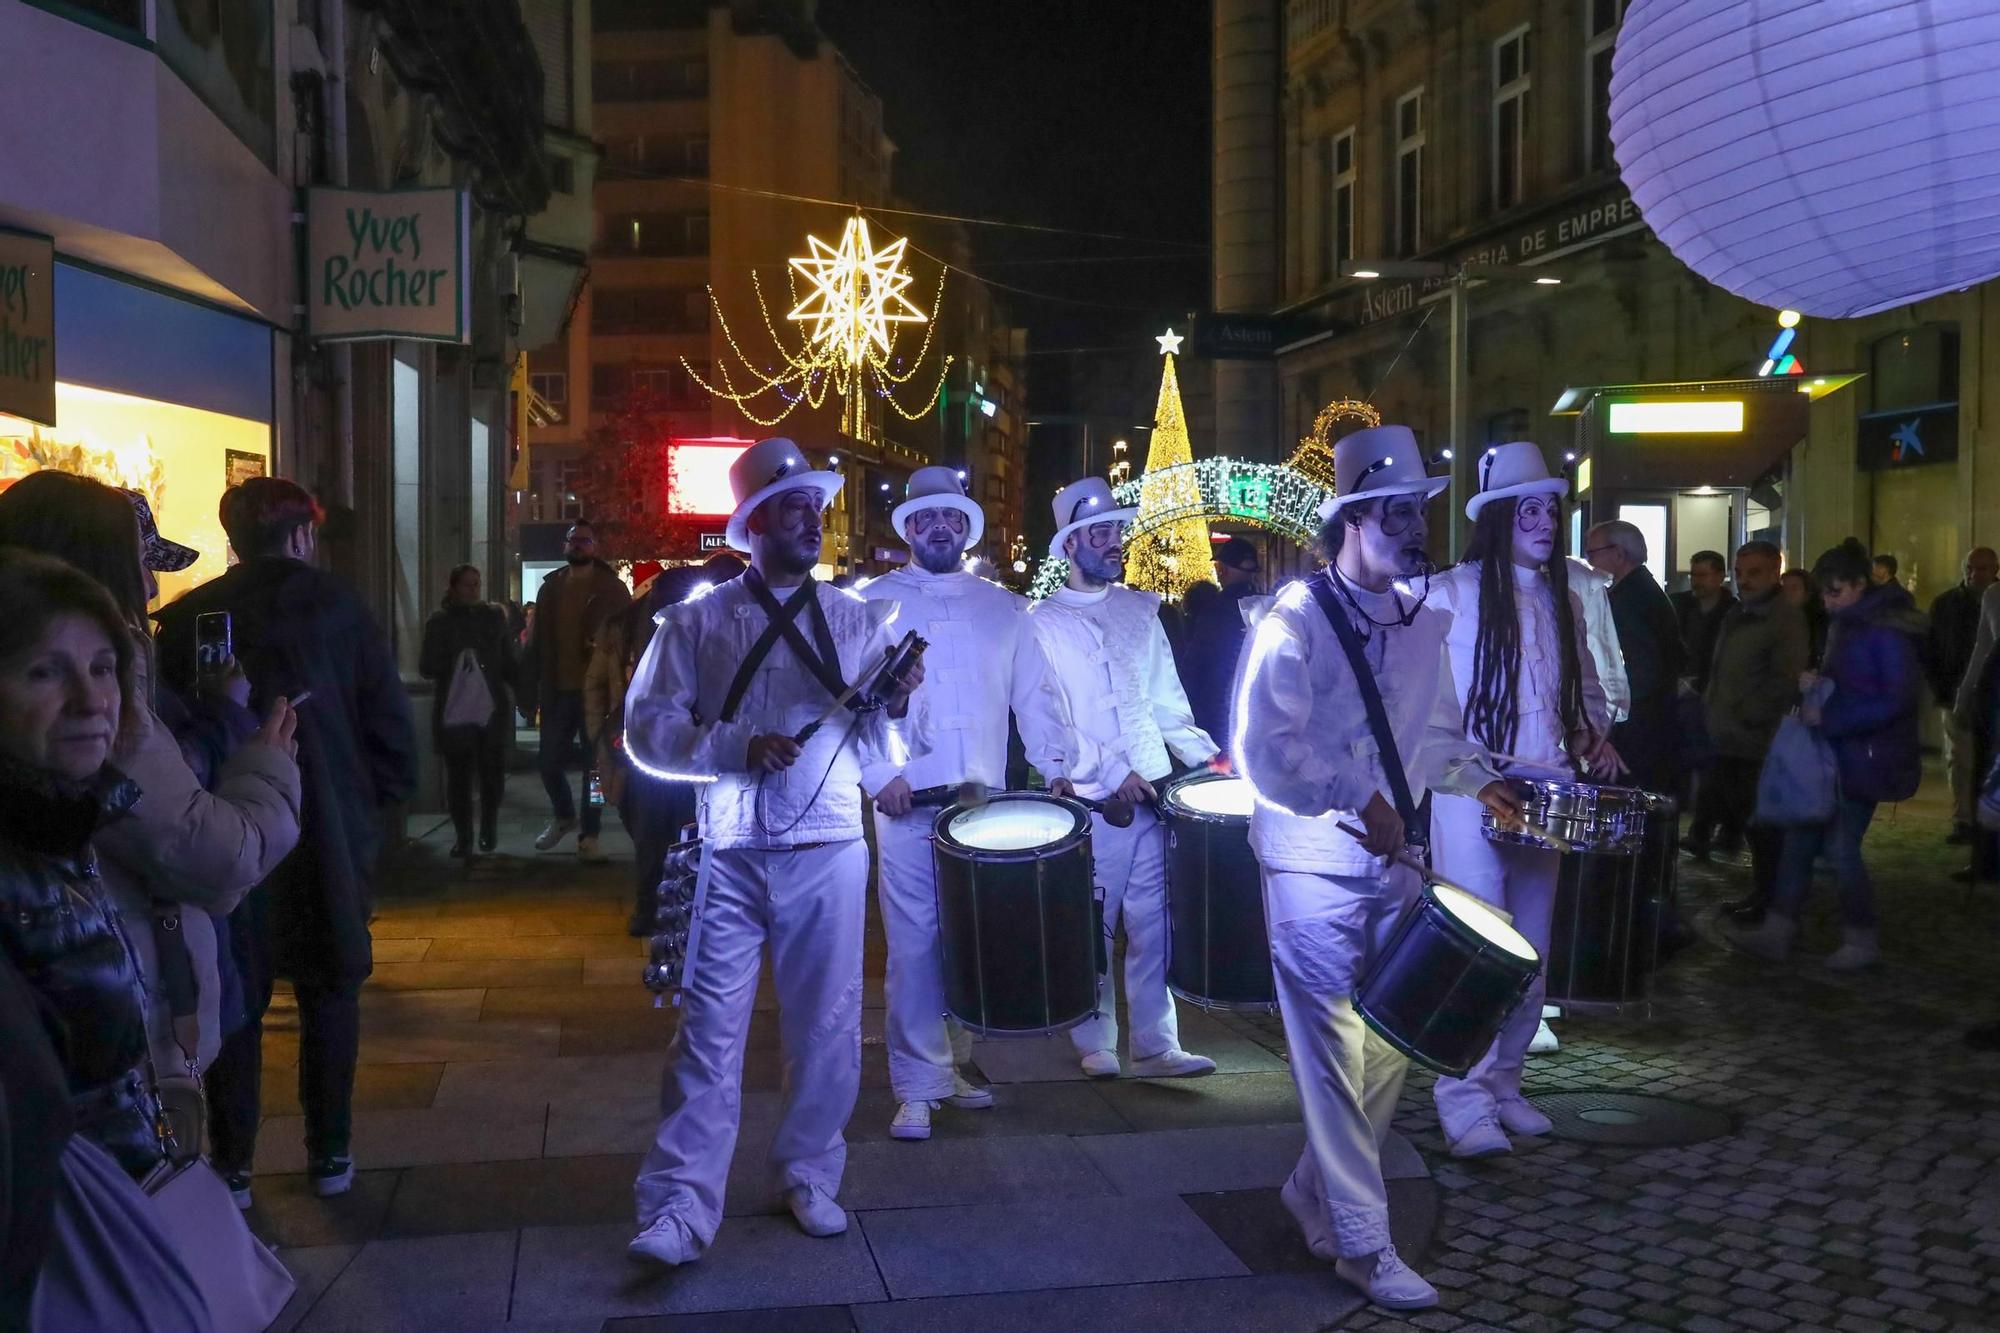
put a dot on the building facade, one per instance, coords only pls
(1472, 140)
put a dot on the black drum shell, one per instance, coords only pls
(1220, 954)
(1609, 911)
(1439, 992)
(1018, 931)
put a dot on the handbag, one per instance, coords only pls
(1799, 780)
(243, 1284)
(468, 701)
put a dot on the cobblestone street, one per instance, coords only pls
(511, 1061)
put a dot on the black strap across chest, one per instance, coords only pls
(1321, 587)
(822, 658)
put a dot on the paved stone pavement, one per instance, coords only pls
(511, 1064)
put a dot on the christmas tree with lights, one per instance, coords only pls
(1168, 555)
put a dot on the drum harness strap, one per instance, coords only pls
(1321, 587)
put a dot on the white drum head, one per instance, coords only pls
(1221, 797)
(1012, 825)
(1482, 920)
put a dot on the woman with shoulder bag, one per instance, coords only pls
(1874, 665)
(469, 654)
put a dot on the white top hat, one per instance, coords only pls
(1381, 460)
(1507, 470)
(940, 488)
(1082, 503)
(767, 468)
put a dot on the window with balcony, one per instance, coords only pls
(1600, 36)
(649, 310)
(668, 79)
(655, 235)
(1510, 119)
(1409, 193)
(658, 155)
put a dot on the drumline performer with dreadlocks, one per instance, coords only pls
(1531, 695)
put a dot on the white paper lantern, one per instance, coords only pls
(1837, 157)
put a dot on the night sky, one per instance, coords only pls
(1086, 114)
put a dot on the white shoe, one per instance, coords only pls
(1101, 1064)
(667, 1241)
(817, 1213)
(1174, 1063)
(1387, 1281)
(1858, 949)
(1544, 1040)
(913, 1121)
(1484, 1139)
(553, 832)
(1552, 1011)
(968, 1096)
(588, 852)
(1519, 1116)
(1318, 1239)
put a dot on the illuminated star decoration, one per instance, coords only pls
(1170, 342)
(857, 292)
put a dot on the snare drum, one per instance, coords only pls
(1610, 821)
(1451, 975)
(1604, 942)
(1220, 953)
(1018, 921)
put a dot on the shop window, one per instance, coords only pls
(1409, 194)
(1600, 36)
(1510, 118)
(1915, 368)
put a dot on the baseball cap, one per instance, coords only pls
(161, 555)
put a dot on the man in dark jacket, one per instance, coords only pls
(296, 628)
(1215, 636)
(573, 604)
(1947, 652)
(1649, 637)
(1699, 612)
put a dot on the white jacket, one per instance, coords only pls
(1111, 666)
(673, 707)
(1303, 740)
(1600, 631)
(982, 660)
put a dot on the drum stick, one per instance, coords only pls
(805, 733)
(1116, 810)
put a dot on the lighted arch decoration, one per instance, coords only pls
(1274, 497)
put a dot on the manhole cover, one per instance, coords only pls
(1630, 1120)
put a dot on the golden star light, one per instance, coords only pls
(857, 292)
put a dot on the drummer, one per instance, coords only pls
(982, 660)
(1530, 693)
(1113, 676)
(723, 696)
(1316, 758)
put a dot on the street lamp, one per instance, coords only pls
(1454, 279)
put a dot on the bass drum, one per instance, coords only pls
(1019, 927)
(1604, 940)
(1220, 954)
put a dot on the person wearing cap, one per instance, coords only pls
(1111, 675)
(727, 695)
(1215, 637)
(468, 623)
(982, 661)
(1530, 692)
(1307, 747)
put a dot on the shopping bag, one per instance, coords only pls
(467, 701)
(1799, 779)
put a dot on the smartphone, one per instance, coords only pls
(213, 646)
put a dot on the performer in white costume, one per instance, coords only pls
(1110, 665)
(1529, 688)
(982, 661)
(1308, 747)
(729, 681)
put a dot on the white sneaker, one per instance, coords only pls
(1174, 1063)
(1544, 1040)
(1387, 1281)
(1311, 1222)
(1552, 1011)
(1484, 1139)
(968, 1096)
(913, 1121)
(553, 832)
(817, 1213)
(588, 852)
(1519, 1116)
(667, 1241)
(1101, 1064)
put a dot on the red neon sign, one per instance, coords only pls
(698, 472)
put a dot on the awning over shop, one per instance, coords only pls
(1724, 432)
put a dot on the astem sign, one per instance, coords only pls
(28, 327)
(388, 264)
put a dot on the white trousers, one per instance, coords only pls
(1521, 880)
(925, 1045)
(1131, 874)
(1958, 756)
(811, 906)
(1324, 932)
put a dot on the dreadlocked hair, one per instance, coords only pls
(1492, 711)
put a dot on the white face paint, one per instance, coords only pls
(1535, 530)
